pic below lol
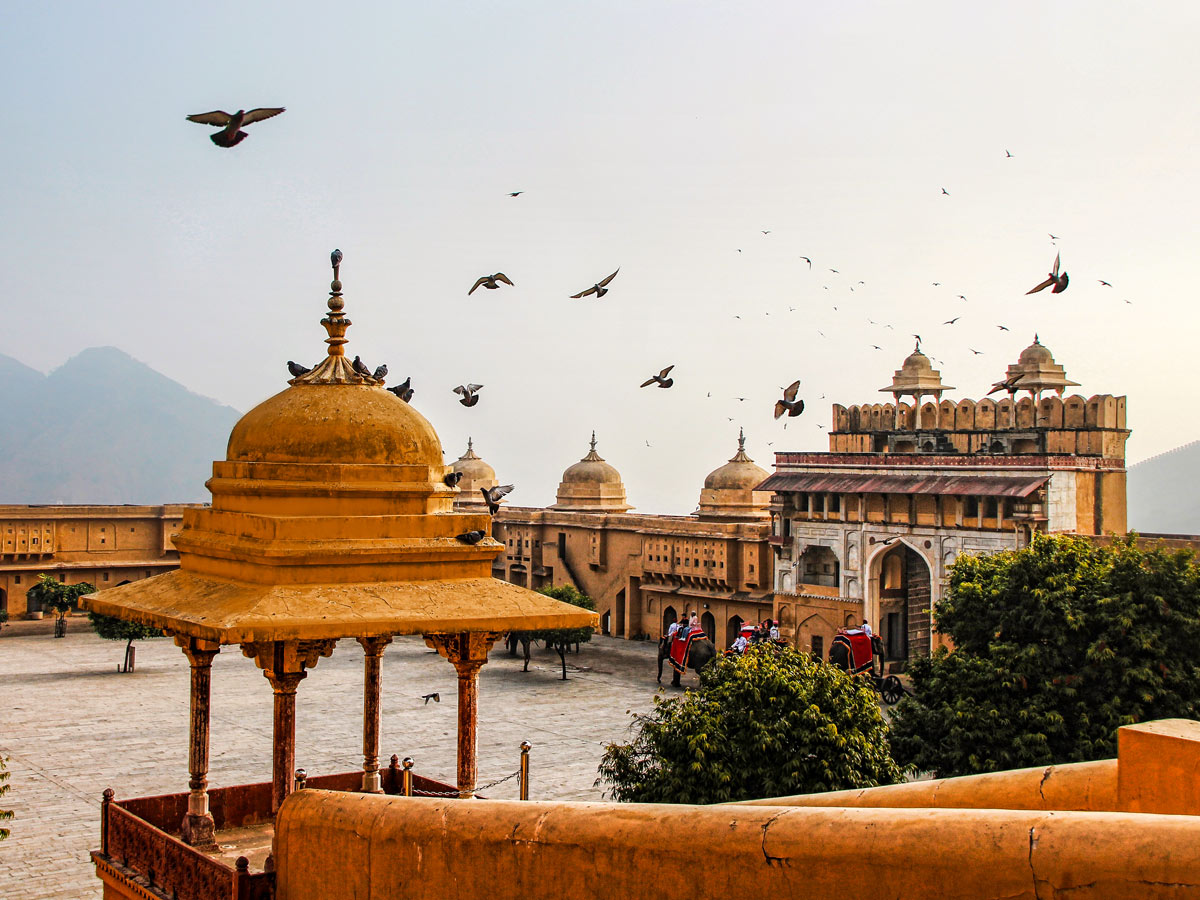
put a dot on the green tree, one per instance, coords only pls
(113, 629)
(49, 593)
(765, 724)
(5, 814)
(1056, 646)
(560, 639)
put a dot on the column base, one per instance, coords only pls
(372, 783)
(198, 830)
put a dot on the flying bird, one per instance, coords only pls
(1053, 237)
(1103, 282)
(876, 346)
(452, 479)
(962, 297)
(380, 373)
(230, 134)
(952, 321)
(946, 192)
(492, 496)
(360, 367)
(766, 232)
(515, 193)
(469, 393)
(435, 697)
(936, 283)
(807, 260)
(490, 282)
(1059, 281)
(470, 537)
(403, 390)
(1007, 155)
(1002, 327)
(1008, 384)
(976, 352)
(296, 369)
(918, 337)
(600, 288)
(835, 271)
(789, 404)
(661, 378)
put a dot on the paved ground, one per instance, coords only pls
(71, 726)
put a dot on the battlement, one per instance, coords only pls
(1050, 425)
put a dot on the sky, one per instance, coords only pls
(659, 137)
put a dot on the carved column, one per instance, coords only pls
(284, 664)
(373, 648)
(468, 653)
(198, 826)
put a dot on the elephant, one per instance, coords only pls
(702, 653)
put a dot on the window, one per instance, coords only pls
(62, 578)
(131, 531)
(33, 540)
(696, 563)
(16, 579)
(104, 577)
(751, 568)
(147, 573)
(971, 507)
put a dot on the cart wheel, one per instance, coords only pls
(892, 690)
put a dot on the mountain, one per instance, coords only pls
(1164, 495)
(105, 428)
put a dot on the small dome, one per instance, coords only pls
(592, 484)
(741, 473)
(1035, 354)
(916, 362)
(474, 469)
(323, 423)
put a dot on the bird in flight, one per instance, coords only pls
(600, 288)
(515, 193)
(1002, 327)
(918, 337)
(946, 192)
(231, 134)
(403, 390)
(493, 495)
(952, 321)
(936, 283)
(876, 346)
(296, 369)
(766, 232)
(835, 271)
(1007, 155)
(661, 378)
(962, 297)
(1103, 282)
(1008, 384)
(1053, 237)
(789, 404)
(807, 260)
(1059, 281)
(435, 697)
(976, 352)
(468, 393)
(490, 282)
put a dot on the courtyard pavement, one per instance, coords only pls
(71, 726)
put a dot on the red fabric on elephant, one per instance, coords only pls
(681, 647)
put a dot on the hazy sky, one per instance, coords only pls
(661, 137)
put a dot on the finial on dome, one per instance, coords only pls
(741, 439)
(335, 368)
(1035, 338)
(917, 348)
(470, 443)
(593, 440)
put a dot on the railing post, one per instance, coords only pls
(525, 748)
(241, 879)
(406, 777)
(301, 779)
(105, 803)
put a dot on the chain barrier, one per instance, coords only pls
(482, 787)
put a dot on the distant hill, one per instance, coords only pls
(1164, 493)
(105, 428)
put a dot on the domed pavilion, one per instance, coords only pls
(1035, 371)
(729, 491)
(330, 519)
(592, 485)
(476, 474)
(916, 378)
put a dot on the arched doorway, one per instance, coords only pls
(905, 598)
(606, 622)
(732, 630)
(709, 624)
(670, 617)
(619, 606)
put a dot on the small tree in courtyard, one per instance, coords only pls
(113, 629)
(49, 593)
(1056, 646)
(560, 639)
(765, 724)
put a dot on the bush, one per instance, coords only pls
(770, 723)
(560, 639)
(1056, 646)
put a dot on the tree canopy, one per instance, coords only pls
(113, 629)
(52, 594)
(561, 638)
(769, 723)
(1055, 647)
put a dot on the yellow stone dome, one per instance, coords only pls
(335, 423)
(1035, 354)
(592, 469)
(916, 362)
(729, 492)
(474, 469)
(741, 473)
(592, 484)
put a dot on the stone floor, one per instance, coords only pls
(71, 726)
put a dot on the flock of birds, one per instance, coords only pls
(230, 134)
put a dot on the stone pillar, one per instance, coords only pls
(198, 827)
(284, 664)
(467, 652)
(373, 648)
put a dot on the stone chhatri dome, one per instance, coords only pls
(729, 492)
(916, 376)
(592, 484)
(476, 474)
(1035, 371)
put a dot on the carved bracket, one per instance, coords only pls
(463, 648)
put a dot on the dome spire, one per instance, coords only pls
(593, 439)
(335, 368)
